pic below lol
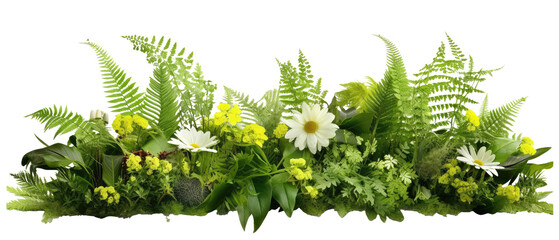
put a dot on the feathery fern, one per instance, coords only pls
(448, 82)
(297, 85)
(61, 118)
(195, 93)
(266, 112)
(161, 105)
(498, 122)
(123, 93)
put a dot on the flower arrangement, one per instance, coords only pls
(379, 147)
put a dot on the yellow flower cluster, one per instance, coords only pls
(254, 134)
(185, 168)
(227, 114)
(166, 166)
(453, 169)
(466, 189)
(133, 163)
(511, 192)
(280, 130)
(124, 124)
(473, 120)
(527, 146)
(152, 163)
(296, 171)
(108, 194)
(312, 191)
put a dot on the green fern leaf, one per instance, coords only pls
(161, 104)
(58, 117)
(498, 122)
(123, 94)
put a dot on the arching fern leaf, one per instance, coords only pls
(498, 122)
(161, 104)
(266, 112)
(57, 117)
(124, 95)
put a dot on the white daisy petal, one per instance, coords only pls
(194, 141)
(318, 136)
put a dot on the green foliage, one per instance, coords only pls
(123, 94)
(161, 105)
(265, 112)
(448, 83)
(352, 95)
(195, 93)
(297, 85)
(58, 117)
(498, 122)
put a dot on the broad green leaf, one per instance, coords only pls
(534, 169)
(285, 193)
(344, 136)
(513, 160)
(259, 199)
(157, 144)
(112, 166)
(244, 214)
(371, 214)
(503, 148)
(216, 197)
(359, 124)
(52, 157)
(396, 215)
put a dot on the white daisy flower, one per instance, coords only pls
(312, 128)
(481, 160)
(194, 141)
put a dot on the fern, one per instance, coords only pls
(195, 93)
(124, 94)
(498, 122)
(31, 186)
(58, 117)
(161, 105)
(448, 83)
(266, 112)
(297, 85)
(388, 100)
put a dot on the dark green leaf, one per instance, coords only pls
(359, 124)
(371, 214)
(52, 157)
(396, 215)
(244, 214)
(503, 148)
(284, 192)
(112, 166)
(216, 197)
(535, 169)
(259, 199)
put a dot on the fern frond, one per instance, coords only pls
(498, 122)
(31, 186)
(161, 104)
(58, 117)
(484, 109)
(123, 94)
(249, 107)
(297, 85)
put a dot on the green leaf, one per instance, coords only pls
(284, 192)
(244, 214)
(359, 124)
(344, 136)
(161, 106)
(216, 197)
(259, 199)
(503, 148)
(371, 214)
(112, 166)
(534, 169)
(157, 144)
(396, 215)
(514, 160)
(52, 157)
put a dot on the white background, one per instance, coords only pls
(42, 63)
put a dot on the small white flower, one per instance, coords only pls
(194, 141)
(389, 162)
(481, 160)
(312, 128)
(99, 114)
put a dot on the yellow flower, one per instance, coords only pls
(143, 123)
(527, 149)
(103, 193)
(132, 178)
(117, 197)
(152, 163)
(511, 192)
(299, 174)
(185, 167)
(111, 189)
(473, 120)
(110, 200)
(280, 130)
(223, 107)
(166, 166)
(227, 114)
(308, 173)
(254, 134)
(312, 191)
(297, 162)
(133, 163)
(527, 140)
(97, 189)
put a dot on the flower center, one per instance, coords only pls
(311, 127)
(194, 145)
(478, 162)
